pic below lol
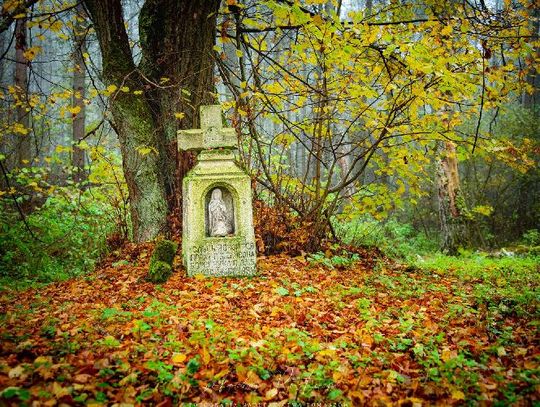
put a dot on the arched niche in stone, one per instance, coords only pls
(220, 212)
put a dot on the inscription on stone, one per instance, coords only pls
(223, 258)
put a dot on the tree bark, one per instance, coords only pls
(449, 196)
(177, 40)
(23, 144)
(78, 158)
(133, 122)
(176, 74)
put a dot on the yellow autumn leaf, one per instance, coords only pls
(179, 115)
(205, 356)
(30, 53)
(144, 150)
(318, 20)
(19, 128)
(56, 26)
(178, 358)
(446, 30)
(111, 88)
(74, 110)
(220, 374)
(458, 395)
(270, 394)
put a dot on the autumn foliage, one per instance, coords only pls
(299, 332)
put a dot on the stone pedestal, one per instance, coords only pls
(227, 249)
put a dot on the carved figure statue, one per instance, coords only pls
(218, 218)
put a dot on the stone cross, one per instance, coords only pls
(217, 231)
(210, 135)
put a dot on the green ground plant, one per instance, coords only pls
(506, 286)
(63, 238)
(395, 239)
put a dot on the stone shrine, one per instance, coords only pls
(217, 234)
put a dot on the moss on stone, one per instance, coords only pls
(161, 261)
(159, 271)
(164, 251)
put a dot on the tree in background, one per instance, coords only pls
(80, 31)
(23, 144)
(380, 89)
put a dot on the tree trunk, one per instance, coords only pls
(23, 144)
(176, 74)
(79, 77)
(449, 196)
(133, 122)
(177, 40)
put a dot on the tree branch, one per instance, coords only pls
(7, 18)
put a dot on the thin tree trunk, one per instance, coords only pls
(450, 200)
(79, 88)
(23, 144)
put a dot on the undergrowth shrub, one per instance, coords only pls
(531, 237)
(159, 271)
(394, 239)
(278, 230)
(164, 251)
(68, 236)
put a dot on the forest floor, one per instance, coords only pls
(373, 333)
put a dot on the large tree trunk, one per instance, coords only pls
(79, 88)
(176, 73)
(177, 39)
(132, 120)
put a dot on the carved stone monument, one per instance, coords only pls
(217, 234)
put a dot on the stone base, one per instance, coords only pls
(232, 255)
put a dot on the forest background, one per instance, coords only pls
(410, 126)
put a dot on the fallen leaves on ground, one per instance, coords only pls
(375, 333)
